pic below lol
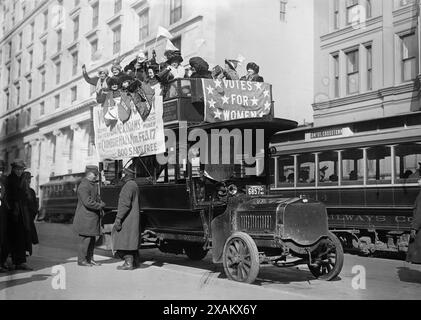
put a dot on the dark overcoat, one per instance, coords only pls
(414, 248)
(128, 238)
(88, 210)
(3, 212)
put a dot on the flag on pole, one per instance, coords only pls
(170, 46)
(163, 32)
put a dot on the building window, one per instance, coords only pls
(405, 2)
(143, 25)
(19, 67)
(32, 31)
(75, 61)
(31, 59)
(57, 101)
(117, 6)
(94, 49)
(368, 9)
(175, 11)
(17, 153)
(177, 42)
(369, 67)
(58, 72)
(42, 108)
(77, 2)
(336, 75)
(75, 28)
(350, 10)
(95, 15)
(59, 40)
(28, 154)
(44, 50)
(352, 72)
(29, 88)
(7, 100)
(8, 75)
(7, 129)
(28, 117)
(409, 54)
(10, 49)
(74, 93)
(17, 95)
(20, 41)
(336, 14)
(283, 10)
(43, 81)
(116, 40)
(45, 20)
(17, 123)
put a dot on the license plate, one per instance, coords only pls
(256, 190)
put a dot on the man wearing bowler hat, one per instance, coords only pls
(126, 230)
(87, 216)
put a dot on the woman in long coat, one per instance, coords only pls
(126, 231)
(414, 248)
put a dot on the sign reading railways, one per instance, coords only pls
(132, 138)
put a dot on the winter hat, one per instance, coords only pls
(199, 64)
(102, 70)
(253, 67)
(18, 163)
(173, 56)
(114, 81)
(92, 168)
(232, 63)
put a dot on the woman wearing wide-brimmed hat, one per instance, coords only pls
(100, 82)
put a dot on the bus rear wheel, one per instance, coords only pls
(241, 258)
(195, 251)
(328, 260)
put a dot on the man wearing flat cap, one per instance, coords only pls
(126, 230)
(87, 216)
(18, 231)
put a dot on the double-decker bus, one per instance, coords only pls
(365, 172)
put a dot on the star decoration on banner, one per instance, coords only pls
(266, 93)
(258, 85)
(267, 106)
(210, 90)
(212, 103)
(218, 114)
(225, 100)
(254, 101)
(217, 83)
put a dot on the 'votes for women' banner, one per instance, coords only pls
(235, 99)
(136, 136)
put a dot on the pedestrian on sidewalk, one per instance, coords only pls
(4, 251)
(18, 227)
(87, 216)
(126, 230)
(414, 247)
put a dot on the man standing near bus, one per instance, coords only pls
(126, 231)
(3, 219)
(414, 248)
(87, 216)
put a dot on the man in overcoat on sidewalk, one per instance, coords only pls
(414, 247)
(126, 231)
(87, 216)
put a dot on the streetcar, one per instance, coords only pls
(364, 172)
(190, 204)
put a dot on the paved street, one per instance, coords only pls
(164, 276)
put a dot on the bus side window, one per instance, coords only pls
(408, 162)
(286, 171)
(306, 170)
(328, 168)
(352, 167)
(379, 165)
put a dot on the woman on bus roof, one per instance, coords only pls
(414, 247)
(100, 82)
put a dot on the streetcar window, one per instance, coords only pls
(306, 170)
(328, 168)
(352, 167)
(408, 162)
(286, 171)
(379, 165)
